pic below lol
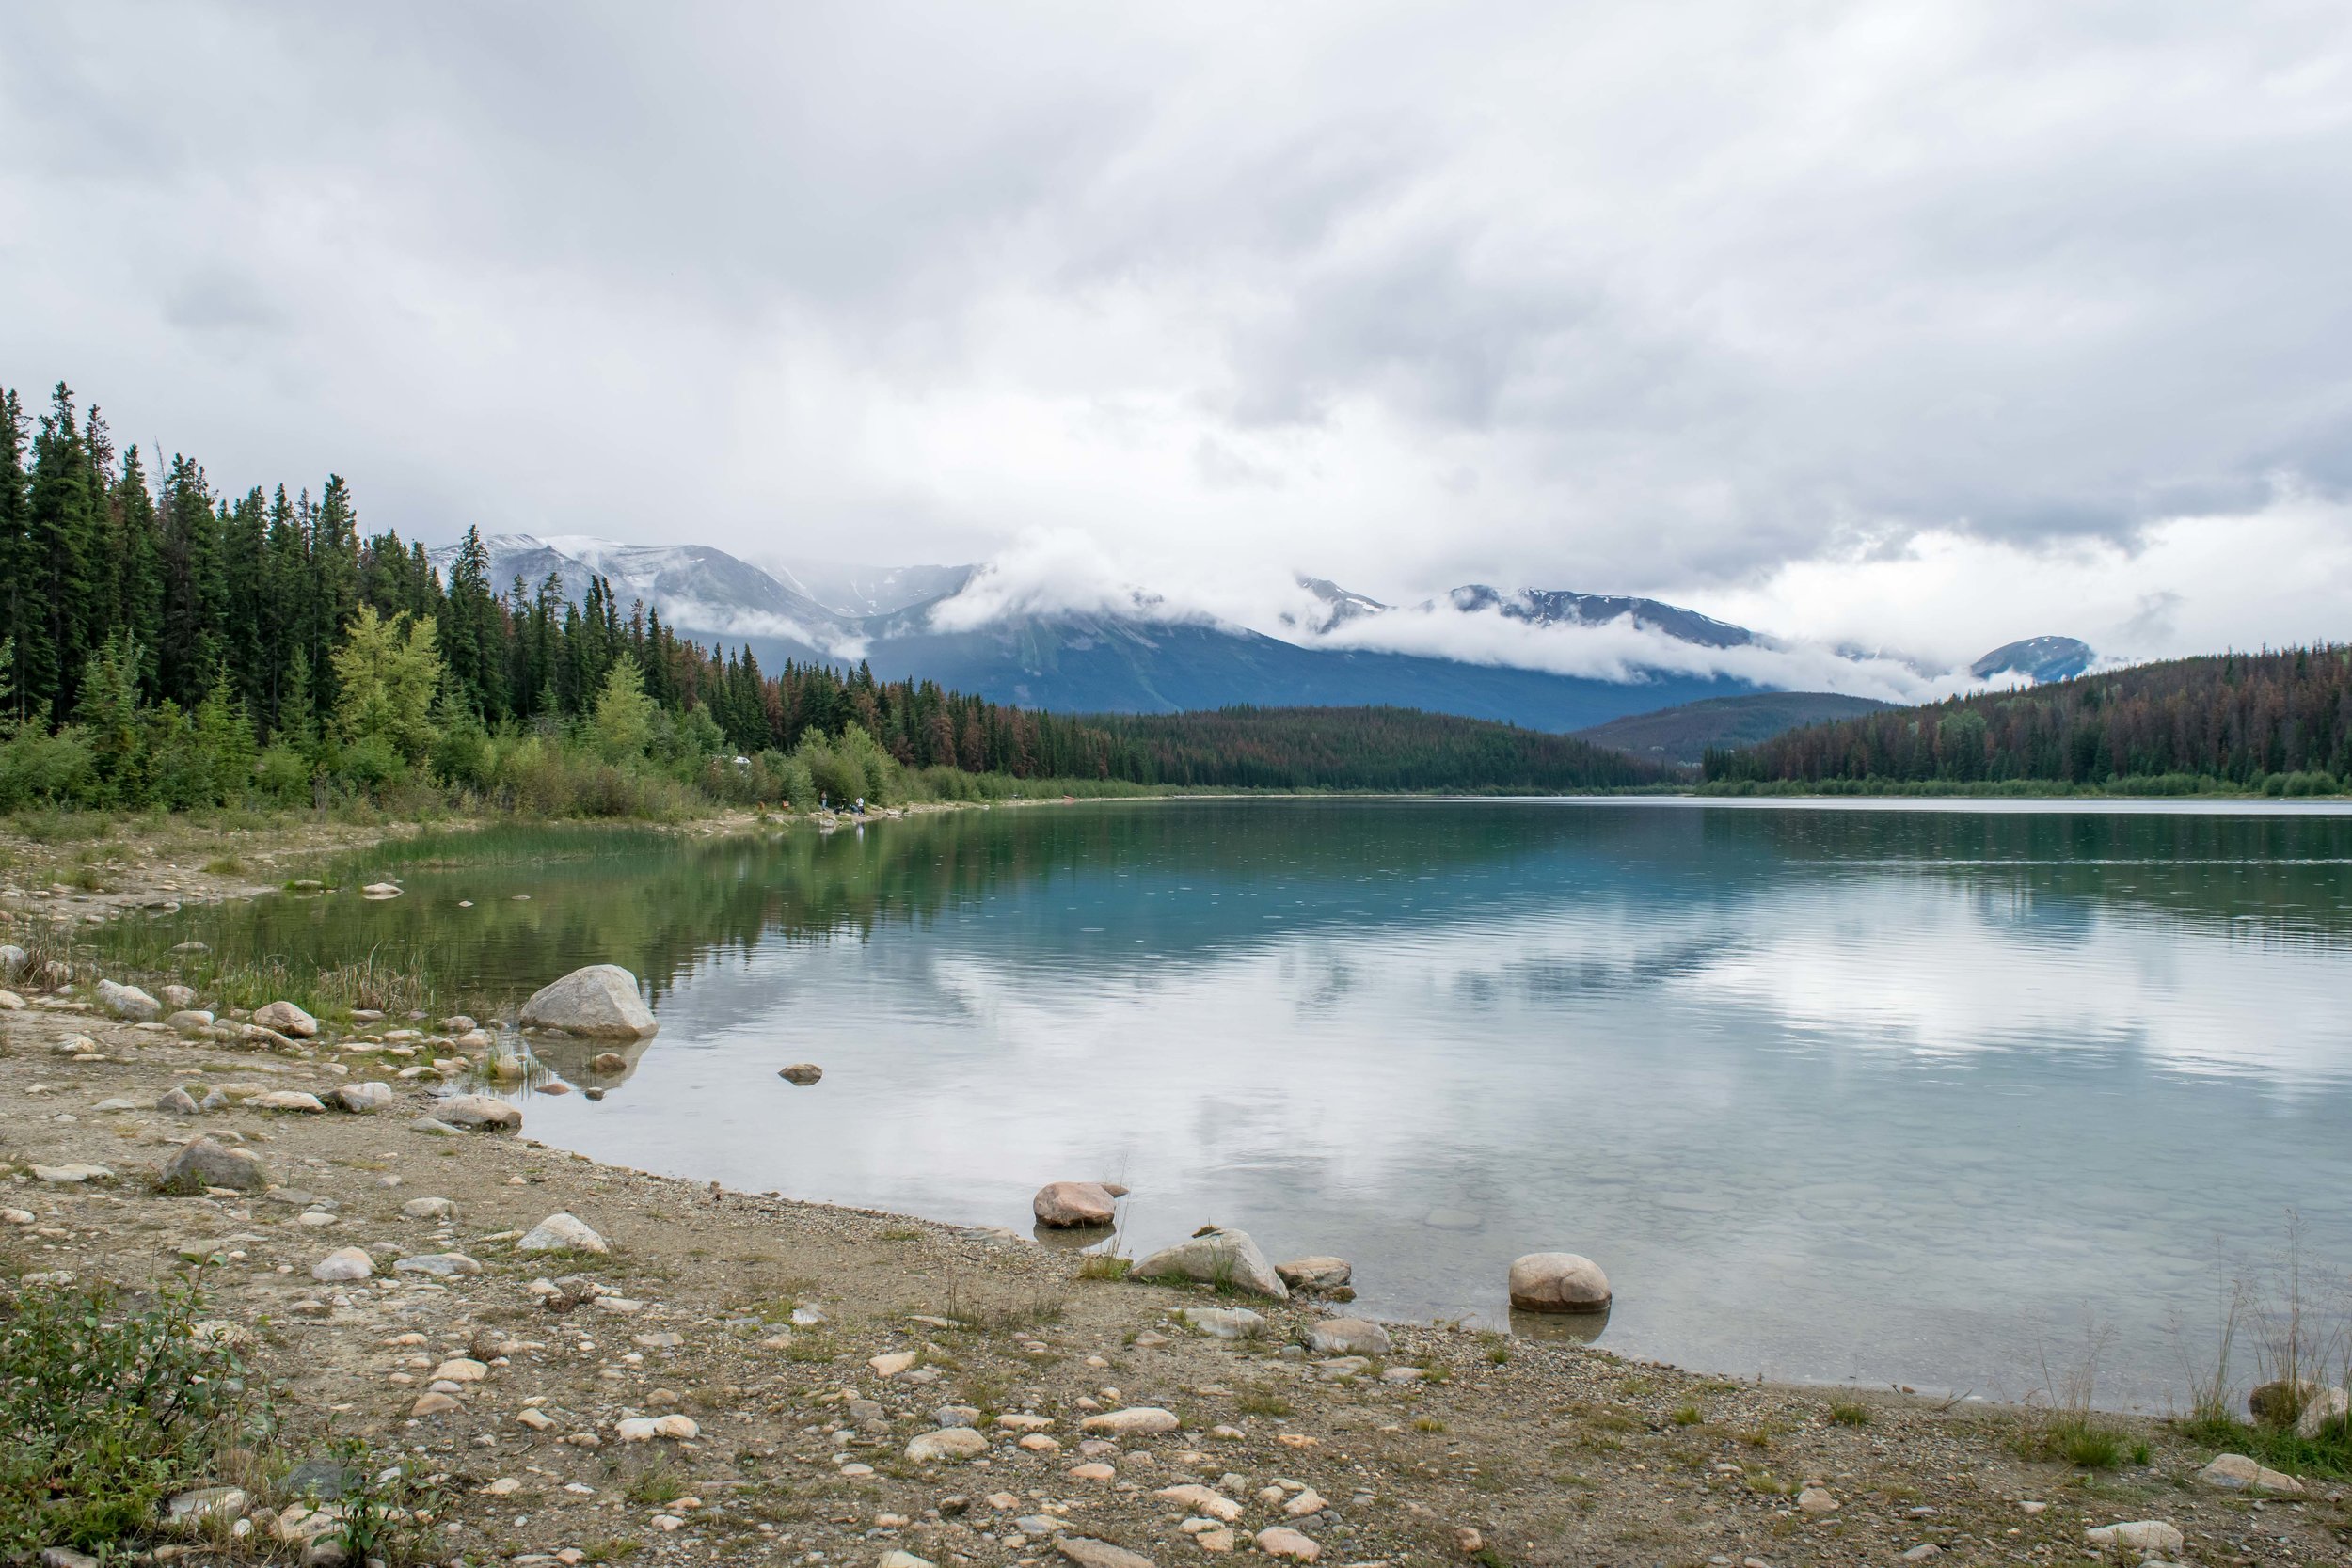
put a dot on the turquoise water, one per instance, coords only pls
(1927, 1096)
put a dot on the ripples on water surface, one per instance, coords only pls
(1908, 1094)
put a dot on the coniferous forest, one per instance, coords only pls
(2278, 723)
(163, 644)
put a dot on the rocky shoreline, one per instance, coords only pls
(589, 1364)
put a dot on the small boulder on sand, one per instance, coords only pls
(1558, 1282)
(477, 1112)
(563, 1233)
(1347, 1336)
(342, 1265)
(2234, 1472)
(947, 1443)
(1216, 1256)
(202, 1163)
(600, 999)
(287, 1019)
(2152, 1537)
(128, 1002)
(363, 1098)
(1069, 1205)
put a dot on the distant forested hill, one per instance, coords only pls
(1358, 748)
(2277, 721)
(1685, 735)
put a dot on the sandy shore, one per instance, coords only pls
(1453, 1446)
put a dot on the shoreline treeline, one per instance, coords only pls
(2274, 722)
(166, 644)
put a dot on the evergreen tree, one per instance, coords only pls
(18, 598)
(62, 545)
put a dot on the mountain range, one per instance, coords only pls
(1145, 660)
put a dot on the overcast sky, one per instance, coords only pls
(1922, 325)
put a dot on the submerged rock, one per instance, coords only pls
(600, 999)
(1217, 1256)
(1558, 1282)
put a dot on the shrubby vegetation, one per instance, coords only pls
(2275, 723)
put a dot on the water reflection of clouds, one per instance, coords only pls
(1803, 1116)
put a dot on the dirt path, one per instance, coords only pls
(1452, 1445)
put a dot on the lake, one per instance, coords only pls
(1890, 1093)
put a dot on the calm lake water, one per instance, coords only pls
(1916, 1095)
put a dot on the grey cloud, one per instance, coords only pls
(1691, 291)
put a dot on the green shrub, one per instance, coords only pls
(109, 1405)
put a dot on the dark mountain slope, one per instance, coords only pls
(1685, 735)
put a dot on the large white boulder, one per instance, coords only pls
(599, 1000)
(1216, 1256)
(1558, 1282)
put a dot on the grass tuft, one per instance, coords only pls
(1846, 1413)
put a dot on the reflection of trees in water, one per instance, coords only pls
(2207, 870)
(661, 904)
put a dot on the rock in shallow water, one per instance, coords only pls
(1073, 1204)
(600, 999)
(803, 1074)
(1315, 1273)
(1558, 1282)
